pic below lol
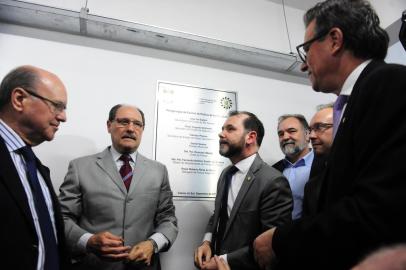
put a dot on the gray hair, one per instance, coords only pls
(299, 117)
(324, 106)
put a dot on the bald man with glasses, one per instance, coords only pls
(32, 106)
(321, 138)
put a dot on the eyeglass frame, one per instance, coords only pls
(124, 122)
(320, 127)
(306, 45)
(58, 106)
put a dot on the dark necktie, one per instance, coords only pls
(337, 111)
(47, 231)
(126, 171)
(223, 210)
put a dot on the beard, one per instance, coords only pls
(229, 150)
(291, 149)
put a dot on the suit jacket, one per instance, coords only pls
(264, 201)
(19, 240)
(312, 188)
(362, 202)
(94, 199)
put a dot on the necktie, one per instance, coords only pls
(223, 210)
(47, 231)
(126, 171)
(337, 110)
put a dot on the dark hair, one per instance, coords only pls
(251, 123)
(114, 109)
(24, 77)
(299, 117)
(357, 20)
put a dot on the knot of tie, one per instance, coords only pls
(27, 153)
(125, 158)
(232, 170)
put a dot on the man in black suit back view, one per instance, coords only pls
(362, 201)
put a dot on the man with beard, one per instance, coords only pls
(117, 204)
(251, 197)
(293, 133)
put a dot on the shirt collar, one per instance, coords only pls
(304, 161)
(11, 138)
(349, 83)
(245, 164)
(116, 155)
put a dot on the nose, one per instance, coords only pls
(61, 117)
(312, 134)
(221, 135)
(304, 67)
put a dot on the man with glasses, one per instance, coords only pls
(321, 137)
(32, 106)
(362, 198)
(117, 204)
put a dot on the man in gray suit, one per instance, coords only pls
(251, 197)
(117, 204)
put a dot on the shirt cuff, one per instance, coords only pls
(224, 256)
(160, 240)
(208, 237)
(82, 243)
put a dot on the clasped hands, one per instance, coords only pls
(205, 261)
(111, 247)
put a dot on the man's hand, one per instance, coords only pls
(263, 252)
(221, 264)
(210, 265)
(202, 254)
(108, 246)
(142, 252)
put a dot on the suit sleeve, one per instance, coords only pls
(275, 210)
(70, 198)
(165, 220)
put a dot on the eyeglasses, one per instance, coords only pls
(320, 127)
(56, 106)
(303, 48)
(125, 122)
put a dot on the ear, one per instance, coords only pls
(251, 137)
(18, 98)
(307, 136)
(337, 40)
(109, 126)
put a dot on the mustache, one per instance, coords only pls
(223, 142)
(130, 136)
(288, 142)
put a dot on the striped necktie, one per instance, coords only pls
(126, 171)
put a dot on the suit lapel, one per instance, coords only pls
(249, 179)
(106, 163)
(12, 181)
(141, 167)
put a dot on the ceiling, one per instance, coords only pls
(299, 4)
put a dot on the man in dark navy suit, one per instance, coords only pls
(32, 105)
(362, 201)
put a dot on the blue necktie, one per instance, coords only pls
(47, 232)
(223, 210)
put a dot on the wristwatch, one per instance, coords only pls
(154, 244)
